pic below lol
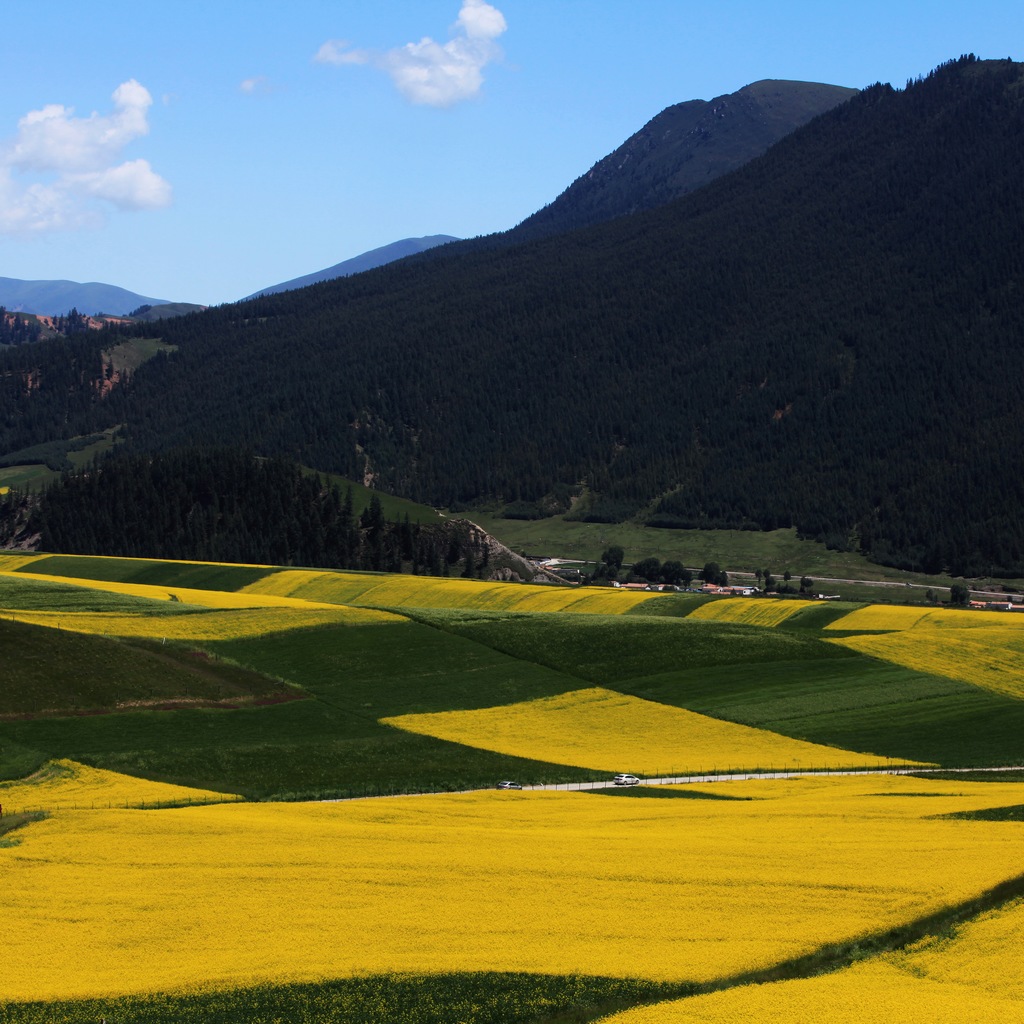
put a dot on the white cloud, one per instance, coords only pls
(36, 207)
(57, 166)
(256, 84)
(431, 73)
(480, 20)
(337, 52)
(131, 186)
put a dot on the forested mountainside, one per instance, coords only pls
(55, 390)
(684, 148)
(829, 337)
(227, 505)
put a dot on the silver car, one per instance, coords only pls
(624, 779)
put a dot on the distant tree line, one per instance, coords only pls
(16, 329)
(71, 322)
(227, 505)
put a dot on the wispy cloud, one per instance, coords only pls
(431, 73)
(59, 171)
(254, 85)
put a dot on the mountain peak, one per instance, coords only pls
(684, 147)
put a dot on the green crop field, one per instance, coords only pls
(857, 704)
(490, 998)
(609, 649)
(193, 575)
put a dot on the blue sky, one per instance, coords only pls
(200, 151)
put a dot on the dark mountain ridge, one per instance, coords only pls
(365, 261)
(54, 298)
(828, 337)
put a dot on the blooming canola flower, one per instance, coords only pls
(601, 729)
(976, 976)
(542, 882)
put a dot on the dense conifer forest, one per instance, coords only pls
(828, 338)
(56, 390)
(16, 329)
(225, 505)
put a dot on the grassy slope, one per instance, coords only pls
(818, 616)
(72, 671)
(129, 355)
(393, 508)
(26, 477)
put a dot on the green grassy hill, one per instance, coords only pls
(48, 675)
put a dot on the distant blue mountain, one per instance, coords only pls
(55, 298)
(356, 265)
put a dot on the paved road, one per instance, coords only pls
(680, 780)
(747, 776)
(893, 584)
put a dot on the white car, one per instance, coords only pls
(626, 780)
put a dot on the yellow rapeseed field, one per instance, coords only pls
(213, 625)
(885, 616)
(167, 561)
(311, 585)
(750, 611)
(10, 562)
(985, 954)
(64, 783)
(601, 729)
(185, 595)
(105, 902)
(397, 591)
(869, 993)
(973, 977)
(992, 657)
(937, 796)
